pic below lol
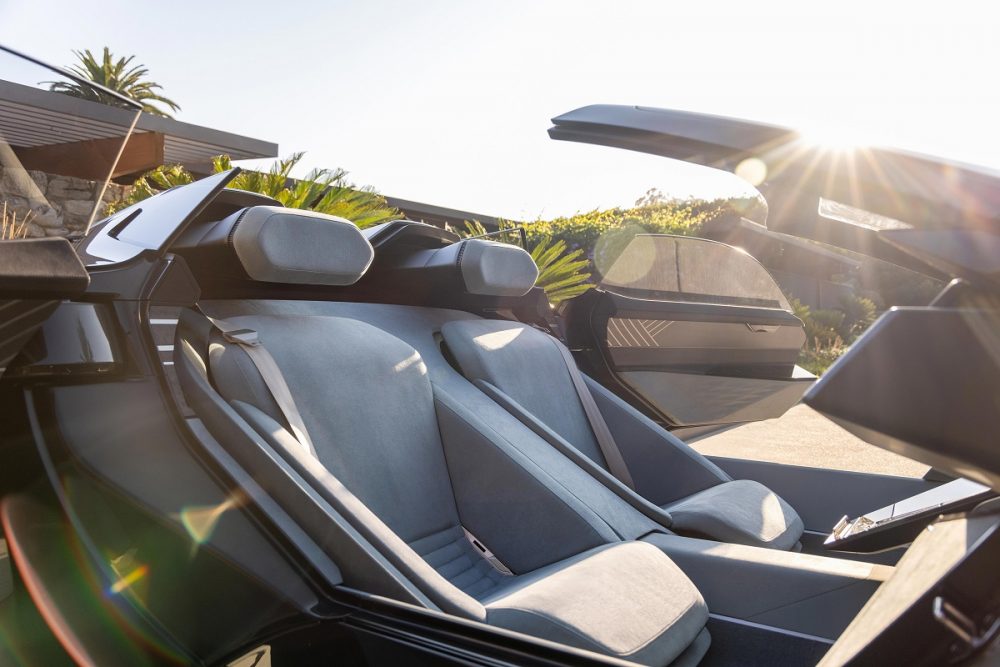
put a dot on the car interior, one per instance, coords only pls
(463, 451)
(344, 431)
(241, 434)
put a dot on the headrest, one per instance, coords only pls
(488, 268)
(282, 245)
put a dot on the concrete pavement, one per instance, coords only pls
(804, 437)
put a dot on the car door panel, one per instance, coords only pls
(691, 400)
(686, 341)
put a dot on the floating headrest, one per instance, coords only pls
(488, 268)
(282, 245)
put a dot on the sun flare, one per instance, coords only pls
(835, 138)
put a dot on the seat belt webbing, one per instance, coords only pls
(249, 342)
(606, 441)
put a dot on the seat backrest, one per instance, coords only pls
(367, 404)
(405, 462)
(394, 451)
(527, 366)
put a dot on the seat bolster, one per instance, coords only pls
(627, 600)
(741, 512)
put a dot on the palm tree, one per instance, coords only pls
(119, 77)
(323, 190)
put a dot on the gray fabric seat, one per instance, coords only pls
(619, 582)
(523, 368)
(411, 471)
(378, 428)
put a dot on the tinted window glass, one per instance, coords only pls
(678, 268)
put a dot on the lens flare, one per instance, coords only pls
(129, 579)
(752, 170)
(200, 521)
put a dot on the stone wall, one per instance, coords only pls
(57, 205)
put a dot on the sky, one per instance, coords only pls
(448, 103)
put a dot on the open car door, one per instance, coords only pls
(693, 331)
(856, 199)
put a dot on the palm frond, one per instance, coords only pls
(322, 190)
(118, 76)
(560, 273)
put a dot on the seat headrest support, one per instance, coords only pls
(488, 268)
(283, 245)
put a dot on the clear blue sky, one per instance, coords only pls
(448, 102)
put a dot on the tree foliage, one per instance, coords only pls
(603, 234)
(829, 331)
(162, 178)
(118, 75)
(322, 190)
(569, 250)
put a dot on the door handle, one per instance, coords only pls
(762, 328)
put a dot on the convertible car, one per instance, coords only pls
(239, 434)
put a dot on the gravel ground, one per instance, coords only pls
(804, 437)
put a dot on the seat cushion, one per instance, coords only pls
(627, 600)
(742, 512)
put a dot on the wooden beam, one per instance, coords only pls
(91, 159)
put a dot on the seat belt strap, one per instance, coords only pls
(606, 441)
(249, 342)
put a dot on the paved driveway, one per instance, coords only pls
(804, 437)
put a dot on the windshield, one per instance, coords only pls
(63, 142)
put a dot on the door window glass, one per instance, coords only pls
(679, 268)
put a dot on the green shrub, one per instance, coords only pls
(859, 313)
(162, 178)
(816, 357)
(829, 332)
(589, 243)
(896, 286)
(602, 235)
(322, 190)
